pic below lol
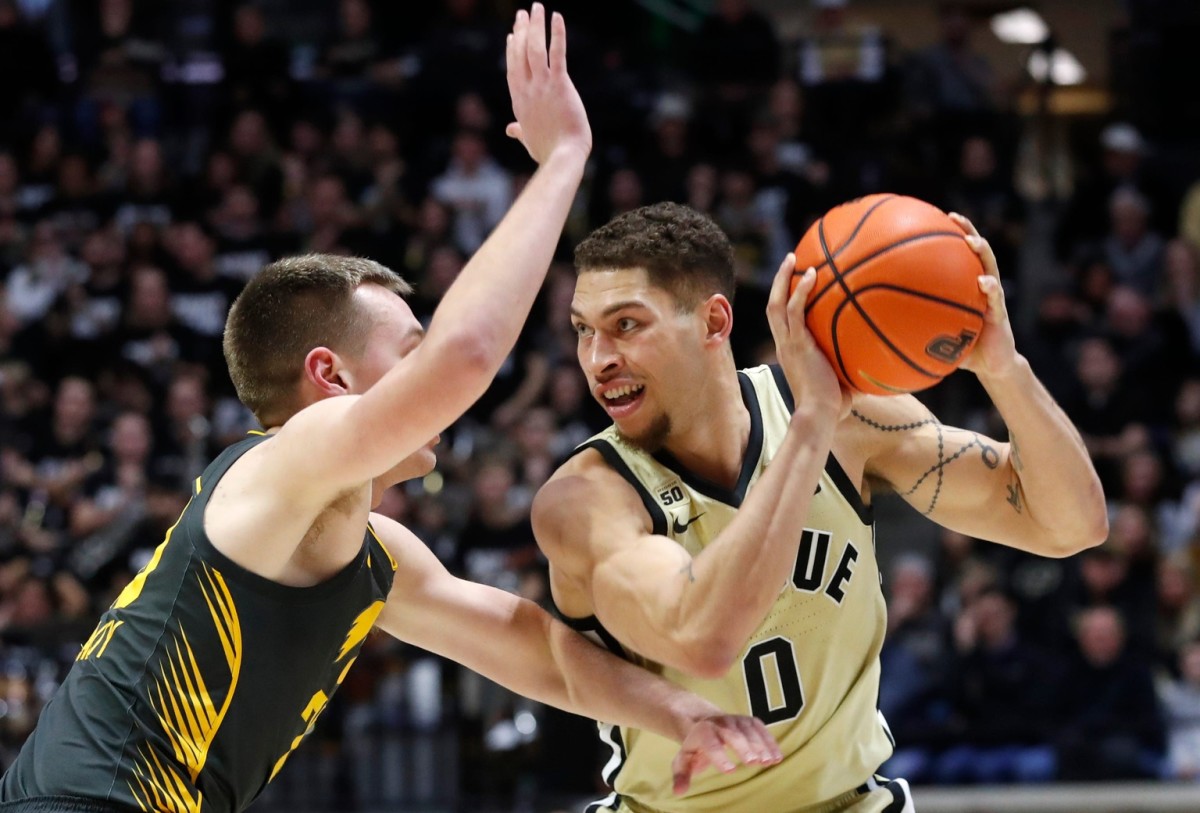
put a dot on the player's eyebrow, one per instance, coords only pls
(613, 308)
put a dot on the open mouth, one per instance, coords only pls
(619, 401)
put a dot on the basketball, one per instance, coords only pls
(896, 305)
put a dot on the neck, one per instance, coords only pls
(712, 442)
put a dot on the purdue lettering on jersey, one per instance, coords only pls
(811, 669)
(201, 678)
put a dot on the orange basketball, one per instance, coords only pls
(896, 305)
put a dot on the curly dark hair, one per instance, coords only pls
(682, 250)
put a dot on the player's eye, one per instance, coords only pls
(626, 324)
(582, 330)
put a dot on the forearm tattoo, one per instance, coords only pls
(946, 437)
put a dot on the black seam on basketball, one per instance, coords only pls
(858, 227)
(920, 295)
(837, 314)
(837, 345)
(870, 323)
(815, 297)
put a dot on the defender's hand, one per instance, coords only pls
(710, 741)
(995, 354)
(547, 106)
(809, 373)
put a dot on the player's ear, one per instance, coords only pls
(718, 318)
(323, 372)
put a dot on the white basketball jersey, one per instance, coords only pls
(810, 670)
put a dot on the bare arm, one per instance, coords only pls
(478, 321)
(1038, 492)
(696, 613)
(516, 643)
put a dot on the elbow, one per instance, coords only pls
(707, 657)
(1089, 534)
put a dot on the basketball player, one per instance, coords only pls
(721, 532)
(217, 659)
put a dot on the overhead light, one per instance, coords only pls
(1060, 66)
(1021, 26)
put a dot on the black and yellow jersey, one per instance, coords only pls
(201, 678)
(811, 669)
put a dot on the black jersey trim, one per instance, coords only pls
(592, 624)
(785, 390)
(866, 513)
(732, 497)
(230, 569)
(833, 468)
(612, 457)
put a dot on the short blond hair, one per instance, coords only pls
(288, 308)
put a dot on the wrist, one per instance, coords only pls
(1015, 371)
(686, 711)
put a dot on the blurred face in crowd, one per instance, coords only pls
(1174, 584)
(1141, 476)
(625, 190)
(1129, 214)
(356, 18)
(131, 438)
(1101, 636)
(1098, 367)
(74, 405)
(1187, 403)
(912, 584)
(149, 298)
(978, 159)
(248, 136)
(249, 27)
(469, 151)
(994, 618)
(1102, 572)
(10, 179)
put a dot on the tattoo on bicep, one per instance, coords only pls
(1015, 453)
(945, 436)
(1014, 495)
(686, 570)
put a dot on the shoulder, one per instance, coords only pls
(878, 426)
(587, 494)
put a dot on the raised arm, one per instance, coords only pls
(1037, 492)
(479, 318)
(696, 613)
(517, 644)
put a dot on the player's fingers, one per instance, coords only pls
(768, 748)
(513, 130)
(513, 61)
(997, 310)
(732, 736)
(777, 299)
(536, 43)
(986, 256)
(685, 765)
(520, 43)
(964, 224)
(558, 43)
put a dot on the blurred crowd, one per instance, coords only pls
(153, 156)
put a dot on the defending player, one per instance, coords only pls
(218, 658)
(721, 530)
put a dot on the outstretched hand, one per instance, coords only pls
(545, 102)
(710, 742)
(995, 354)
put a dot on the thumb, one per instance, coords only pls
(513, 130)
(681, 771)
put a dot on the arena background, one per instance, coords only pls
(153, 155)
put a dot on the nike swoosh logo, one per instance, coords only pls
(681, 527)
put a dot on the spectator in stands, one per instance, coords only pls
(476, 188)
(1180, 698)
(1005, 694)
(1178, 620)
(1132, 250)
(915, 657)
(1112, 724)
